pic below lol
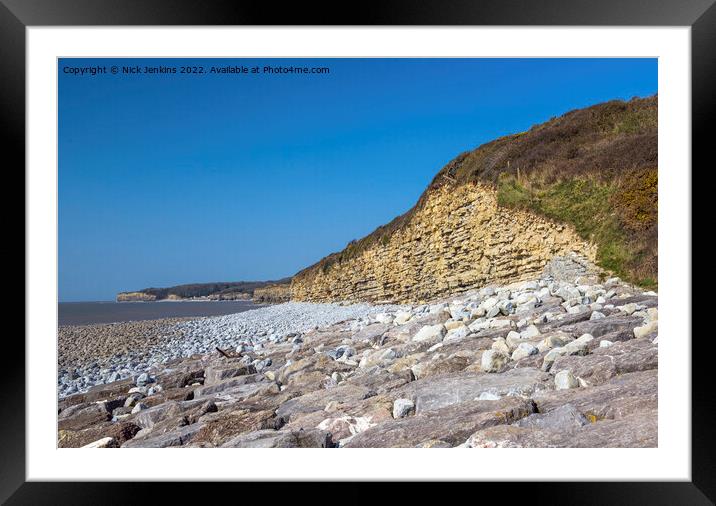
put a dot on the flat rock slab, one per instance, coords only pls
(316, 401)
(438, 392)
(177, 437)
(605, 363)
(619, 397)
(120, 432)
(636, 431)
(218, 428)
(603, 326)
(563, 419)
(450, 425)
(314, 438)
(97, 393)
(372, 333)
(235, 385)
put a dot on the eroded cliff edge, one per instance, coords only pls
(459, 238)
(584, 183)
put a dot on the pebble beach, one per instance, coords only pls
(90, 355)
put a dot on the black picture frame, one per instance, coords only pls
(17, 15)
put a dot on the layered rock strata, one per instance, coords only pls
(458, 239)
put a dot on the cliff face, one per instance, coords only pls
(459, 238)
(585, 182)
(273, 294)
(135, 297)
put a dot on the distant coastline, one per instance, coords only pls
(269, 291)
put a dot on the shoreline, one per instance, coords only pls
(89, 313)
(532, 364)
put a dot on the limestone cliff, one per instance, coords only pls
(272, 294)
(135, 297)
(458, 239)
(585, 182)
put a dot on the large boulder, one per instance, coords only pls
(441, 391)
(315, 438)
(451, 424)
(605, 363)
(635, 431)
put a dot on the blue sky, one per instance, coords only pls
(170, 179)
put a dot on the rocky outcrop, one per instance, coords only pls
(135, 297)
(273, 294)
(522, 365)
(458, 239)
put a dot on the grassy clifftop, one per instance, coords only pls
(593, 168)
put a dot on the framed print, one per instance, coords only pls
(422, 243)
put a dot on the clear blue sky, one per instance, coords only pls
(170, 179)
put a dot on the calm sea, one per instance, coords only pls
(83, 313)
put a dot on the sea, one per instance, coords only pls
(85, 313)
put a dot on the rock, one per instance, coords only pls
(133, 399)
(493, 361)
(605, 343)
(430, 333)
(628, 308)
(565, 379)
(596, 315)
(372, 333)
(455, 388)
(530, 332)
(501, 345)
(377, 358)
(442, 365)
(493, 311)
(489, 303)
(142, 379)
(566, 418)
(454, 324)
(262, 364)
(217, 373)
(313, 438)
(551, 356)
(646, 329)
(238, 386)
(384, 318)
(579, 308)
(456, 334)
(180, 436)
(402, 317)
(636, 431)
(120, 432)
(402, 408)
(155, 389)
(605, 363)
(138, 407)
(105, 442)
(524, 350)
(556, 340)
(465, 419)
(501, 324)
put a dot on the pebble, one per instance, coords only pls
(403, 408)
(564, 380)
